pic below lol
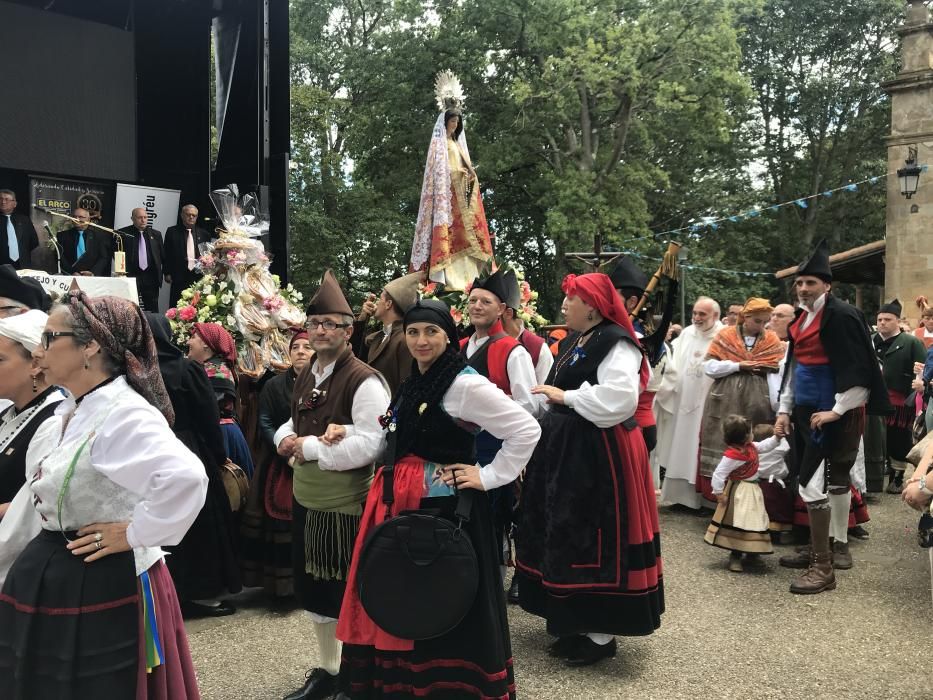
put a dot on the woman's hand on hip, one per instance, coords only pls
(463, 476)
(100, 539)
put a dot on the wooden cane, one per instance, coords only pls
(667, 268)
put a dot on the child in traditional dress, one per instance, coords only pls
(740, 523)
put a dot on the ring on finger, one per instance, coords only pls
(97, 544)
(98, 536)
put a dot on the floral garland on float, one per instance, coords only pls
(457, 300)
(238, 291)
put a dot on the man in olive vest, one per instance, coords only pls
(331, 480)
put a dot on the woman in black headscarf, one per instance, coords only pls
(435, 417)
(204, 564)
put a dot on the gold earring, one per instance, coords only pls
(589, 316)
(35, 386)
(87, 363)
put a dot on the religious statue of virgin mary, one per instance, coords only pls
(452, 243)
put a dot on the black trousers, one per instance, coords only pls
(148, 294)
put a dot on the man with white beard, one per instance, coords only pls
(679, 405)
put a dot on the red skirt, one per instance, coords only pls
(473, 660)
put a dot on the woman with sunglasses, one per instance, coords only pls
(435, 417)
(88, 609)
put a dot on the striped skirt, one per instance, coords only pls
(741, 523)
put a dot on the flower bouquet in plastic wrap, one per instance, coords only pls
(238, 291)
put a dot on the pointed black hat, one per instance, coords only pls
(817, 265)
(893, 307)
(495, 283)
(513, 294)
(627, 275)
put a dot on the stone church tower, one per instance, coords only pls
(909, 226)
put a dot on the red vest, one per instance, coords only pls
(497, 357)
(808, 348)
(533, 344)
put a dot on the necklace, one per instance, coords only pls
(574, 353)
(11, 430)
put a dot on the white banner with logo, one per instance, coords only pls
(161, 207)
(59, 285)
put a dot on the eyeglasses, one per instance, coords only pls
(326, 325)
(48, 336)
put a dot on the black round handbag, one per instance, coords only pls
(417, 576)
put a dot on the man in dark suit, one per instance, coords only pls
(181, 252)
(84, 251)
(143, 246)
(18, 236)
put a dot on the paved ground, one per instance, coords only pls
(723, 636)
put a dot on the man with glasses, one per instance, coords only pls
(17, 234)
(85, 251)
(182, 245)
(331, 481)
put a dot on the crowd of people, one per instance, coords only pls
(392, 447)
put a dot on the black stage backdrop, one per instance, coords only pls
(69, 105)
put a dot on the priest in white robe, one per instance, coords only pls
(679, 406)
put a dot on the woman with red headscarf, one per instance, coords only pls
(589, 559)
(267, 519)
(212, 345)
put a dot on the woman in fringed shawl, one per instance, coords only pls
(589, 558)
(267, 519)
(204, 565)
(89, 609)
(435, 415)
(739, 360)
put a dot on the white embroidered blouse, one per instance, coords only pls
(132, 468)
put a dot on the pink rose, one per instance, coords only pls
(171, 314)
(189, 313)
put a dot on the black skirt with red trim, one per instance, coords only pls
(474, 660)
(589, 558)
(68, 630)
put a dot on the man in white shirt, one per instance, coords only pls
(503, 360)
(331, 481)
(513, 324)
(679, 406)
(831, 378)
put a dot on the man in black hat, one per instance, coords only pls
(630, 282)
(20, 294)
(506, 363)
(832, 378)
(889, 439)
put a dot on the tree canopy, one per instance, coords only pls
(623, 118)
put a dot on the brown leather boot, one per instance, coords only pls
(818, 578)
